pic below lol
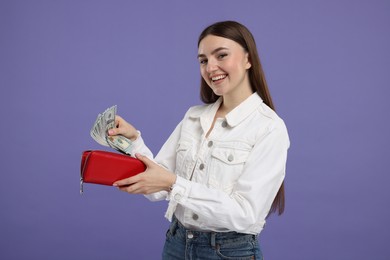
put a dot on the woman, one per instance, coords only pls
(222, 169)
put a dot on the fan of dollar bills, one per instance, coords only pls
(99, 132)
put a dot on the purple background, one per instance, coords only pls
(63, 62)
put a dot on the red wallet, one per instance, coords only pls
(102, 167)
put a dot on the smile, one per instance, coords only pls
(219, 77)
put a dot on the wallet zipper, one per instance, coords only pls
(82, 174)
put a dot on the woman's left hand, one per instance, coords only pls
(154, 179)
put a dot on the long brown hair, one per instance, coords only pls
(239, 33)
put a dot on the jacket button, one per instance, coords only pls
(177, 197)
(224, 124)
(230, 158)
(201, 166)
(195, 216)
(210, 144)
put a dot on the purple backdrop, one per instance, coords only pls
(63, 62)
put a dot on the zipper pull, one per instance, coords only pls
(81, 186)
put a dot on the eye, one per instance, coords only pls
(222, 55)
(203, 61)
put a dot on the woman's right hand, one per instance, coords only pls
(123, 128)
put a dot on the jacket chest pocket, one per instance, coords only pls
(183, 158)
(226, 167)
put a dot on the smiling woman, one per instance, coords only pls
(223, 65)
(222, 169)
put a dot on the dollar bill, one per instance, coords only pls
(120, 143)
(95, 132)
(99, 132)
(109, 119)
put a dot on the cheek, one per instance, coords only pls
(236, 64)
(237, 69)
(204, 75)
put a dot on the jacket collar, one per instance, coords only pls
(234, 117)
(243, 110)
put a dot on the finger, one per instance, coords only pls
(116, 131)
(126, 182)
(133, 189)
(113, 131)
(149, 163)
(118, 120)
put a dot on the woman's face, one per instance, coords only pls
(224, 65)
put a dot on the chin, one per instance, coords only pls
(218, 93)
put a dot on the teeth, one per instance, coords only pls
(218, 77)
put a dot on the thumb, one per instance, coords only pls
(115, 131)
(112, 131)
(149, 163)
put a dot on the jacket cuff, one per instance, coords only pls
(178, 195)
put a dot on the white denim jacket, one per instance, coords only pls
(227, 181)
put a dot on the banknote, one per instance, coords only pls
(99, 131)
(95, 132)
(120, 143)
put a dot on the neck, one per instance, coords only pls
(237, 96)
(229, 102)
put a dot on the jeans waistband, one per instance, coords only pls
(208, 237)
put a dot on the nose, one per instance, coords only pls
(211, 65)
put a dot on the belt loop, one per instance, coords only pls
(173, 226)
(212, 239)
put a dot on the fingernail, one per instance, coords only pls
(110, 132)
(115, 185)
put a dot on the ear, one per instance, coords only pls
(248, 64)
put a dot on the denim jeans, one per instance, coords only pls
(184, 244)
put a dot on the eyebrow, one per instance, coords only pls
(214, 51)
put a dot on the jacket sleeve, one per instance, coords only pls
(166, 158)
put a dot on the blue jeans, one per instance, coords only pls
(184, 244)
